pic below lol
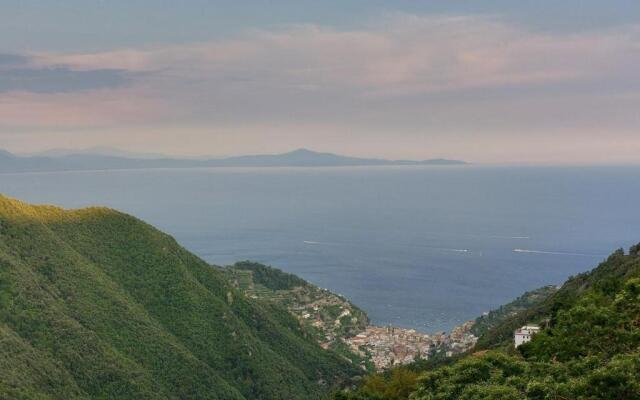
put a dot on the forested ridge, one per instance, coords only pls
(97, 304)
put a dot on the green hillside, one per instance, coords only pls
(523, 303)
(326, 317)
(269, 277)
(608, 278)
(589, 348)
(97, 304)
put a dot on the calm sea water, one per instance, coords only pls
(421, 247)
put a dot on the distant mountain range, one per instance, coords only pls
(101, 159)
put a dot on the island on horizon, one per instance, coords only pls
(107, 159)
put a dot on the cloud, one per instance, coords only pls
(13, 59)
(98, 108)
(37, 92)
(310, 71)
(402, 54)
(60, 80)
(21, 73)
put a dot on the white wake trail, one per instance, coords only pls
(558, 253)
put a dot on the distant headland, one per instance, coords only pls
(105, 160)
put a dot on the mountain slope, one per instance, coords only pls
(608, 277)
(326, 317)
(95, 303)
(512, 309)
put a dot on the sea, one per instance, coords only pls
(423, 247)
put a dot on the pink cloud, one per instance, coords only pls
(302, 66)
(402, 53)
(81, 109)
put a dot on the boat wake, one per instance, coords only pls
(558, 253)
(456, 250)
(448, 249)
(479, 236)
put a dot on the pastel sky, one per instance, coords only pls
(486, 81)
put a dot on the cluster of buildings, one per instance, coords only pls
(390, 346)
(331, 316)
(460, 339)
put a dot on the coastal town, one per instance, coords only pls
(390, 346)
(339, 325)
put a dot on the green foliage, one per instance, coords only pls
(495, 317)
(271, 278)
(395, 385)
(324, 316)
(600, 323)
(97, 304)
(499, 376)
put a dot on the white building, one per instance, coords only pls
(524, 334)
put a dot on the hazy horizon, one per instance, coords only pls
(119, 152)
(496, 82)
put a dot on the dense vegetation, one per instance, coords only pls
(97, 304)
(269, 277)
(326, 317)
(523, 303)
(589, 349)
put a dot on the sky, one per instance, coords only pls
(485, 81)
